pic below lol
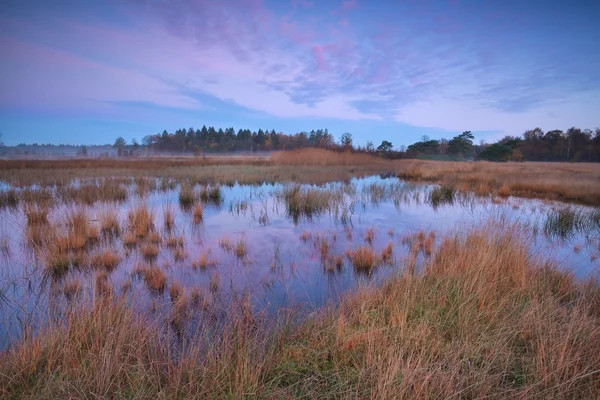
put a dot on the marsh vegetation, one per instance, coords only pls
(197, 284)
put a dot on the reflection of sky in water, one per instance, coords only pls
(297, 275)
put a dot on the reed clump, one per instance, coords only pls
(107, 259)
(154, 278)
(363, 259)
(198, 213)
(140, 221)
(150, 251)
(109, 222)
(186, 196)
(36, 215)
(204, 261)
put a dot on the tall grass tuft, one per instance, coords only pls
(363, 259)
(186, 196)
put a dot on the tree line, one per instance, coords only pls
(533, 145)
(574, 144)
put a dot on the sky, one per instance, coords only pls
(86, 72)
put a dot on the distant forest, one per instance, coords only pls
(534, 145)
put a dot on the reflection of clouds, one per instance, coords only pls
(300, 276)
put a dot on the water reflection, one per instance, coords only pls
(277, 245)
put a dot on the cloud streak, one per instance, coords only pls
(348, 60)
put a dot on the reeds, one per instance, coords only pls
(109, 222)
(169, 218)
(238, 247)
(141, 221)
(36, 215)
(107, 259)
(186, 197)
(483, 320)
(154, 278)
(150, 251)
(363, 259)
(198, 213)
(204, 261)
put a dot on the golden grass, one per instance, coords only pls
(150, 251)
(215, 282)
(175, 291)
(154, 238)
(204, 261)
(483, 320)
(238, 247)
(179, 254)
(108, 259)
(370, 235)
(154, 277)
(198, 213)
(130, 239)
(103, 286)
(320, 157)
(556, 181)
(363, 259)
(173, 241)
(141, 221)
(308, 165)
(36, 215)
(169, 218)
(72, 288)
(387, 254)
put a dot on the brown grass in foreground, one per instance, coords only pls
(482, 321)
(557, 181)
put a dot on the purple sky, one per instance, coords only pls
(86, 72)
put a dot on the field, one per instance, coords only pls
(307, 274)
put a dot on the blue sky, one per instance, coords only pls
(88, 72)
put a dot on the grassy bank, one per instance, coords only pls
(569, 182)
(482, 319)
(305, 166)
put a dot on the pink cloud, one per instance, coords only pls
(65, 81)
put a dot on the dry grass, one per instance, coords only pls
(150, 251)
(108, 259)
(186, 196)
(103, 287)
(215, 282)
(169, 218)
(363, 259)
(174, 241)
(204, 261)
(179, 254)
(482, 321)
(238, 247)
(175, 291)
(320, 157)
(109, 222)
(154, 238)
(141, 221)
(559, 181)
(154, 277)
(72, 288)
(306, 236)
(198, 213)
(36, 215)
(370, 235)
(387, 254)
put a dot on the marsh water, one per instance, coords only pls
(283, 265)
